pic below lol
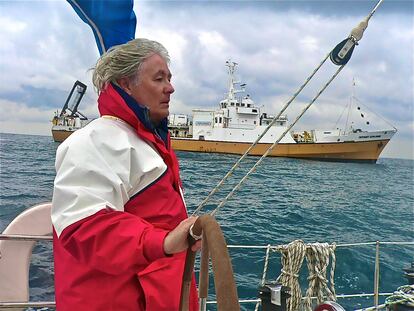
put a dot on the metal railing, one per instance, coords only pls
(376, 294)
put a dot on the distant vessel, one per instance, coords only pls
(238, 122)
(70, 119)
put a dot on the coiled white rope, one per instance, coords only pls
(318, 257)
(292, 259)
(403, 295)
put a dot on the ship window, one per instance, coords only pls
(201, 137)
(215, 119)
(232, 104)
(220, 120)
(237, 104)
(248, 105)
(254, 122)
(254, 110)
(242, 104)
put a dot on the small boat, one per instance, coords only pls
(70, 118)
(238, 122)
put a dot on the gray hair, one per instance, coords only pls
(124, 61)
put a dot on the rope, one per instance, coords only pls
(237, 164)
(403, 295)
(317, 258)
(224, 201)
(355, 35)
(292, 259)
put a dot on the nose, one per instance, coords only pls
(169, 88)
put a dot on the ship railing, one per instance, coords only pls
(375, 294)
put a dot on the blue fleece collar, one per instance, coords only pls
(143, 115)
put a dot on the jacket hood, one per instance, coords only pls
(114, 101)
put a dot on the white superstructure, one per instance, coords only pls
(237, 119)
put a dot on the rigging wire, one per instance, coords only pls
(340, 55)
(340, 117)
(379, 116)
(230, 194)
(230, 172)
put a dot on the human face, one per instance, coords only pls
(153, 87)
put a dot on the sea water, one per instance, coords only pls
(284, 200)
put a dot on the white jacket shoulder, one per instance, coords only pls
(101, 166)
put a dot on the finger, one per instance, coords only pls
(196, 246)
(188, 222)
(192, 219)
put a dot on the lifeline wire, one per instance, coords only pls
(355, 36)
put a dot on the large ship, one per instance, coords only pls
(238, 122)
(70, 118)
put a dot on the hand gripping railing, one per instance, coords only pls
(214, 244)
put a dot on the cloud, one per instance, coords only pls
(46, 48)
(10, 26)
(22, 113)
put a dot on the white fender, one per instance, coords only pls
(16, 255)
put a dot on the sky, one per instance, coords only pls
(45, 48)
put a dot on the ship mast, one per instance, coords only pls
(231, 95)
(351, 101)
(232, 67)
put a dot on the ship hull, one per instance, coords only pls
(60, 135)
(363, 151)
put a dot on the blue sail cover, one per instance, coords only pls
(113, 22)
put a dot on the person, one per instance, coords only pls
(118, 213)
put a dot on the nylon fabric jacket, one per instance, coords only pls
(117, 194)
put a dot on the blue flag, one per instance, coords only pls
(113, 22)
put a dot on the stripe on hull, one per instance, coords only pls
(367, 151)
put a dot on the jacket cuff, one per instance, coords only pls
(154, 245)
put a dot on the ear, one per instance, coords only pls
(125, 84)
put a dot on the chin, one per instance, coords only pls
(166, 114)
(159, 116)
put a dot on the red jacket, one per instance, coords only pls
(117, 194)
